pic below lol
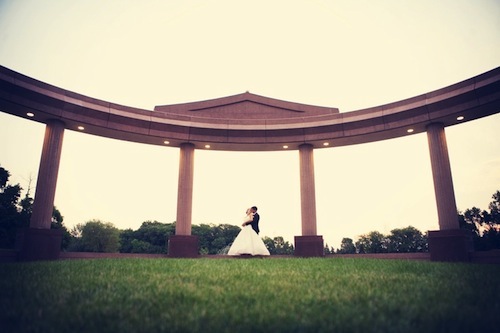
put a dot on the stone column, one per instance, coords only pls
(182, 244)
(450, 243)
(185, 190)
(443, 182)
(309, 244)
(307, 190)
(39, 242)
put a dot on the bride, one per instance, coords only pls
(248, 241)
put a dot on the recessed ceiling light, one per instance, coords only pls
(207, 146)
(81, 128)
(410, 130)
(460, 118)
(166, 142)
(326, 144)
(30, 114)
(285, 147)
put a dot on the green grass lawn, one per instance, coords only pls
(249, 295)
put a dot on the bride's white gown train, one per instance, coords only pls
(248, 242)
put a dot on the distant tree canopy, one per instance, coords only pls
(214, 238)
(151, 237)
(10, 212)
(16, 213)
(95, 236)
(277, 245)
(347, 246)
(407, 239)
(373, 242)
(484, 225)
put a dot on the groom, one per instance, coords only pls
(255, 221)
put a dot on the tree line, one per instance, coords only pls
(408, 239)
(152, 236)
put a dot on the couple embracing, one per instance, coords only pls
(248, 241)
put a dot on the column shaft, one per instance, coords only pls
(443, 182)
(307, 190)
(185, 190)
(43, 204)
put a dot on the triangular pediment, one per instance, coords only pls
(246, 105)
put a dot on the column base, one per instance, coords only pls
(181, 246)
(38, 244)
(309, 246)
(450, 245)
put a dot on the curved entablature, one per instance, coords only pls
(249, 122)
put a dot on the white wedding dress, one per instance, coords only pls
(248, 242)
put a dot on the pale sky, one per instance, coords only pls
(346, 54)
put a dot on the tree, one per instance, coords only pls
(26, 205)
(494, 207)
(484, 225)
(127, 236)
(373, 242)
(57, 223)
(4, 178)
(328, 250)
(347, 246)
(205, 237)
(474, 220)
(9, 211)
(16, 214)
(213, 239)
(95, 236)
(152, 237)
(278, 245)
(269, 242)
(408, 239)
(138, 246)
(467, 224)
(155, 234)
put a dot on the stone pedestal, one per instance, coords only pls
(309, 246)
(183, 246)
(450, 245)
(38, 244)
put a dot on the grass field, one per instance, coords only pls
(249, 295)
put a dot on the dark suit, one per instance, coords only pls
(255, 222)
